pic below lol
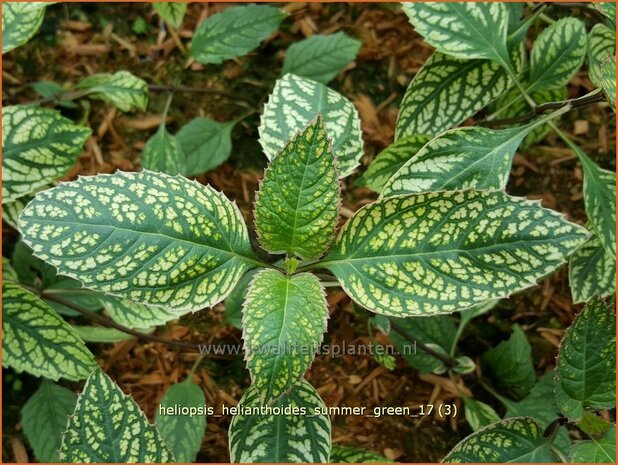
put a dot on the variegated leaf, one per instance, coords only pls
(12, 210)
(447, 91)
(557, 54)
(107, 426)
(320, 58)
(20, 21)
(462, 158)
(517, 440)
(38, 147)
(424, 254)
(341, 454)
(147, 237)
(609, 10)
(463, 29)
(137, 315)
(121, 89)
(36, 340)
(234, 32)
(163, 153)
(479, 414)
(264, 438)
(45, 417)
(390, 160)
(294, 103)
(601, 49)
(8, 272)
(608, 81)
(586, 365)
(205, 144)
(172, 12)
(592, 271)
(297, 205)
(284, 319)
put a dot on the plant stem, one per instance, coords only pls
(200, 90)
(448, 361)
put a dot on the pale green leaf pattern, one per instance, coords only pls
(601, 49)
(596, 450)
(463, 29)
(44, 418)
(121, 89)
(294, 103)
(320, 58)
(518, 440)
(341, 454)
(205, 143)
(100, 334)
(609, 10)
(297, 205)
(479, 414)
(8, 273)
(423, 254)
(284, 319)
(172, 12)
(12, 210)
(447, 91)
(462, 158)
(182, 433)
(281, 438)
(586, 366)
(136, 315)
(38, 146)
(558, 53)
(36, 340)
(107, 426)
(147, 237)
(162, 153)
(608, 81)
(390, 160)
(592, 271)
(234, 32)
(20, 21)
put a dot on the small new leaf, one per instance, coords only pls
(20, 21)
(592, 271)
(320, 58)
(297, 205)
(107, 426)
(586, 366)
(172, 12)
(147, 237)
(121, 89)
(479, 414)
(294, 103)
(163, 153)
(293, 438)
(234, 32)
(36, 340)
(284, 319)
(38, 147)
(205, 144)
(424, 254)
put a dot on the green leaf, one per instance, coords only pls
(20, 21)
(205, 143)
(341, 454)
(107, 426)
(121, 89)
(463, 29)
(147, 237)
(44, 418)
(284, 319)
(518, 440)
(172, 12)
(510, 364)
(592, 271)
(100, 334)
(234, 32)
(586, 366)
(602, 450)
(294, 103)
(479, 414)
(236, 299)
(12, 210)
(601, 49)
(51, 89)
(593, 425)
(136, 315)
(36, 340)
(297, 205)
(388, 162)
(183, 433)
(557, 54)
(38, 147)
(8, 273)
(320, 58)
(462, 158)
(609, 10)
(163, 153)
(447, 91)
(302, 435)
(423, 254)
(438, 331)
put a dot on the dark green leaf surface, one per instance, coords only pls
(205, 143)
(340, 454)
(601, 450)
(297, 205)
(162, 153)
(592, 271)
(300, 437)
(121, 89)
(586, 366)
(38, 147)
(234, 301)
(234, 32)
